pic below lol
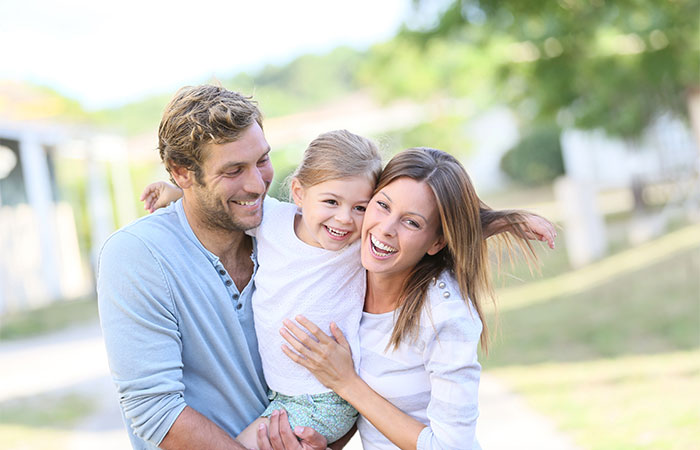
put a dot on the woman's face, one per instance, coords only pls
(401, 225)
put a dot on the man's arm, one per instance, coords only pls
(140, 328)
(193, 431)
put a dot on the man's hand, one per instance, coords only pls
(281, 436)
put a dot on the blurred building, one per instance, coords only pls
(41, 257)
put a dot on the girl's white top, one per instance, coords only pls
(295, 278)
(435, 379)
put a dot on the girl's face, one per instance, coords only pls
(332, 211)
(401, 225)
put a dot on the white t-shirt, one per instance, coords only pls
(295, 278)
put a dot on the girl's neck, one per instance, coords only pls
(383, 292)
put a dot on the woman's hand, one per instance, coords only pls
(328, 358)
(159, 194)
(540, 229)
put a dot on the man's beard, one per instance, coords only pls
(217, 216)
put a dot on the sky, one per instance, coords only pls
(106, 53)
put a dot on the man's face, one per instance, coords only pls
(236, 177)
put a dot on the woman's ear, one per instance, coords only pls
(438, 245)
(297, 192)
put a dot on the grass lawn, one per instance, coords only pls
(616, 363)
(41, 422)
(47, 319)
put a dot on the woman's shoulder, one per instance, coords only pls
(446, 305)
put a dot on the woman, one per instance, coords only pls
(427, 278)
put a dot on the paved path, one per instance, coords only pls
(74, 361)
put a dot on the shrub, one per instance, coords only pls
(536, 159)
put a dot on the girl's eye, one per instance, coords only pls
(331, 202)
(360, 208)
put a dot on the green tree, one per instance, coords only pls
(588, 63)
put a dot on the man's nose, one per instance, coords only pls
(254, 182)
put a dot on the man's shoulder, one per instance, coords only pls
(159, 230)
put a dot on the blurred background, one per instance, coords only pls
(585, 111)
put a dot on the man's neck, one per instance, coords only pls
(233, 248)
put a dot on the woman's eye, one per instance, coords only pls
(412, 223)
(331, 202)
(382, 204)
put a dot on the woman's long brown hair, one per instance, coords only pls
(463, 219)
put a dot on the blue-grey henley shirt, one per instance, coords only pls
(177, 330)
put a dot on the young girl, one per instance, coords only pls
(308, 255)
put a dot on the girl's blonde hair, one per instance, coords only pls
(463, 218)
(338, 154)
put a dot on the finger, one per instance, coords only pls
(300, 334)
(288, 438)
(275, 438)
(262, 438)
(296, 357)
(309, 436)
(298, 346)
(313, 329)
(339, 336)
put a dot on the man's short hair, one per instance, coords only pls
(201, 115)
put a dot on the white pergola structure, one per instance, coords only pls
(40, 259)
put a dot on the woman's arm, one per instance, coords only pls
(450, 358)
(330, 360)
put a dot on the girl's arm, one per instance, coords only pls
(518, 223)
(329, 360)
(159, 194)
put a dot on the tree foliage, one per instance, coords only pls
(587, 63)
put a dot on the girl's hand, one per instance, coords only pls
(540, 229)
(159, 194)
(328, 358)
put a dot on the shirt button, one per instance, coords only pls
(222, 272)
(239, 306)
(446, 294)
(235, 296)
(441, 285)
(228, 282)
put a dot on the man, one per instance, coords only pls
(174, 288)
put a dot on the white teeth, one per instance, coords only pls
(246, 203)
(335, 232)
(381, 246)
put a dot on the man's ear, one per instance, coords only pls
(438, 245)
(182, 176)
(297, 191)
